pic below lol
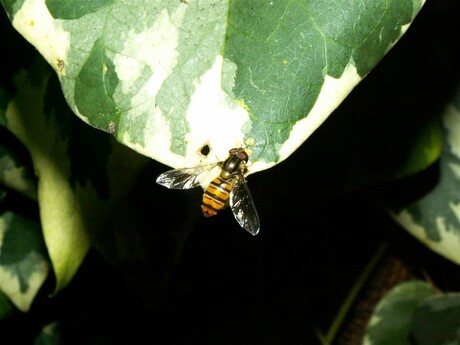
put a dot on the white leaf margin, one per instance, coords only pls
(449, 243)
(34, 22)
(10, 283)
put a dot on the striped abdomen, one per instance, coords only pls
(216, 195)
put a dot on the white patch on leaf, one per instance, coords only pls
(455, 168)
(14, 177)
(449, 243)
(451, 120)
(157, 140)
(155, 47)
(37, 25)
(2, 230)
(455, 208)
(10, 283)
(214, 118)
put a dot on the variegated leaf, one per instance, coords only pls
(15, 175)
(24, 263)
(82, 173)
(392, 319)
(435, 217)
(437, 320)
(170, 77)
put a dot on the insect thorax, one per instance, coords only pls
(231, 167)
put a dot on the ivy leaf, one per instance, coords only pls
(15, 168)
(392, 319)
(24, 263)
(169, 78)
(82, 173)
(50, 334)
(15, 174)
(434, 218)
(437, 321)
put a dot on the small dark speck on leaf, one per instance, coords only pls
(205, 150)
(60, 65)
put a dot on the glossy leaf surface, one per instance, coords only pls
(392, 319)
(167, 78)
(24, 263)
(434, 218)
(81, 172)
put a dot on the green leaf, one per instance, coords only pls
(82, 173)
(390, 323)
(434, 218)
(15, 170)
(167, 78)
(51, 334)
(15, 175)
(24, 264)
(437, 321)
(74, 9)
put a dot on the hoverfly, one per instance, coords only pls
(230, 185)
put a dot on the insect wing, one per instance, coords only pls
(184, 178)
(243, 207)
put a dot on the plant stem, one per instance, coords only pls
(329, 337)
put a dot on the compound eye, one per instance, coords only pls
(243, 156)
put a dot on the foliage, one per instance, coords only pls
(160, 77)
(415, 309)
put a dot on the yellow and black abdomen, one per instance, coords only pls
(216, 195)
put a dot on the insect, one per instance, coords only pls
(229, 187)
